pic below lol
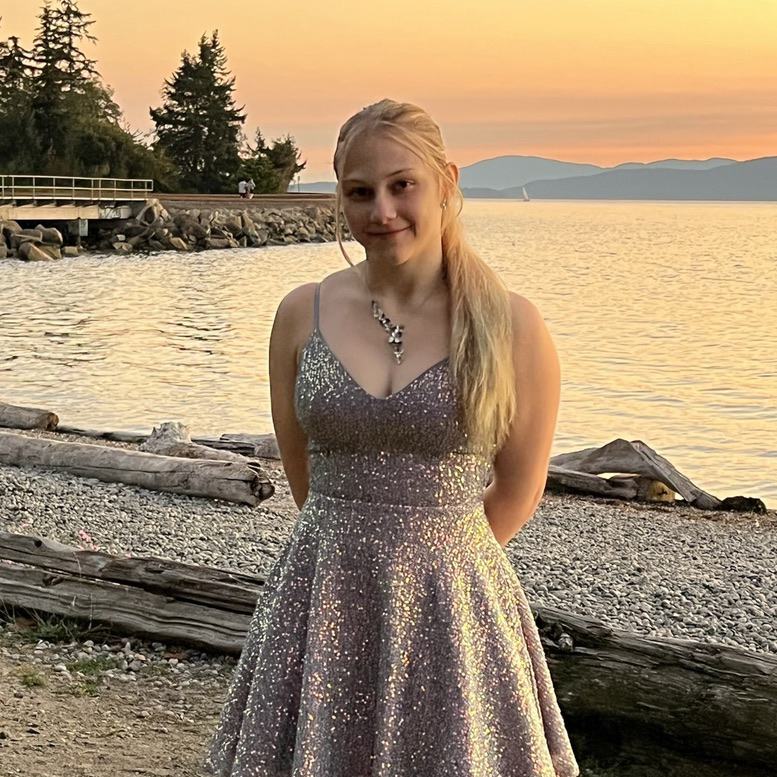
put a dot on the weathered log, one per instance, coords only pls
(635, 458)
(561, 479)
(16, 417)
(134, 438)
(127, 608)
(265, 445)
(673, 699)
(209, 586)
(666, 703)
(244, 483)
(245, 447)
(172, 439)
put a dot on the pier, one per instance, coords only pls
(62, 198)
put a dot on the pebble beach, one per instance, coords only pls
(659, 569)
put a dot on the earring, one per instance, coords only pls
(443, 204)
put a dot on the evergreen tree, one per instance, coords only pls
(199, 127)
(67, 91)
(272, 167)
(16, 131)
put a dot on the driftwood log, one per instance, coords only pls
(172, 439)
(624, 458)
(258, 445)
(677, 707)
(15, 417)
(244, 483)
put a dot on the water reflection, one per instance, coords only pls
(664, 316)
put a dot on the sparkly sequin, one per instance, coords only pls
(394, 639)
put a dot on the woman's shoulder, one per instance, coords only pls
(530, 332)
(297, 308)
(523, 312)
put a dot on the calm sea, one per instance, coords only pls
(664, 315)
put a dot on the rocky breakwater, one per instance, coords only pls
(32, 245)
(156, 228)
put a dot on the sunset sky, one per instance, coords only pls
(598, 81)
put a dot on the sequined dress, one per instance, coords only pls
(394, 638)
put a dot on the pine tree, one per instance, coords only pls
(272, 168)
(199, 127)
(16, 131)
(67, 90)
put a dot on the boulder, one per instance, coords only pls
(217, 242)
(155, 245)
(120, 247)
(70, 251)
(36, 233)
(3, 251)
(185, 222)
(136, 241)
(19, 239)
(11, 228)
(178, 244)
(53, 251)
(150, 212)
(50, 235)
(135, 230)
(234, 226)
(31, 253)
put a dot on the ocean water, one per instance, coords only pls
(664, 315)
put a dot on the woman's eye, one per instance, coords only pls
(402, 185)
(359, 193)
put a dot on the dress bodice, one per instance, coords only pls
(408, 448)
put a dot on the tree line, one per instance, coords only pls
(57, 117)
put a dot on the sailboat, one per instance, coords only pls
(525, 194)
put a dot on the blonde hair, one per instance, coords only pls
(481, 332)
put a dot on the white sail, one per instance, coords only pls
(525, 194)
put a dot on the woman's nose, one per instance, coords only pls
(383, 209)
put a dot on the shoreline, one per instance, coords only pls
(656, 569)
(176, 225)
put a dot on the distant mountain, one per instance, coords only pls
(317, 186)
(666, 179)
(755, 180)
(677, 164)
(504, 171)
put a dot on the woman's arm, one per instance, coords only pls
(291, 328)
(521, 465)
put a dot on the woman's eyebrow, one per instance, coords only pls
(390, 175)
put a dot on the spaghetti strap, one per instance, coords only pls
(316, 300)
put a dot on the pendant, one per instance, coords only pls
(394, 331)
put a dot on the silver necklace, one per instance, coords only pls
(394, 331)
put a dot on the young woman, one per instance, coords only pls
(414, 401)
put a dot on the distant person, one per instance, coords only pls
(242, 187)
(392, 637)
(250, 187)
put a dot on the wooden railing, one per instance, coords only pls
(46, 188)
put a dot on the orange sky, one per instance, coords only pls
(599, 81)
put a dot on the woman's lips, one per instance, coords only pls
(388, 234)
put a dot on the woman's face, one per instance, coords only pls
(391, 200)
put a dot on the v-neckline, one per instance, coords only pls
(317, 333)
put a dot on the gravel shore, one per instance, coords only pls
(652, 569)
